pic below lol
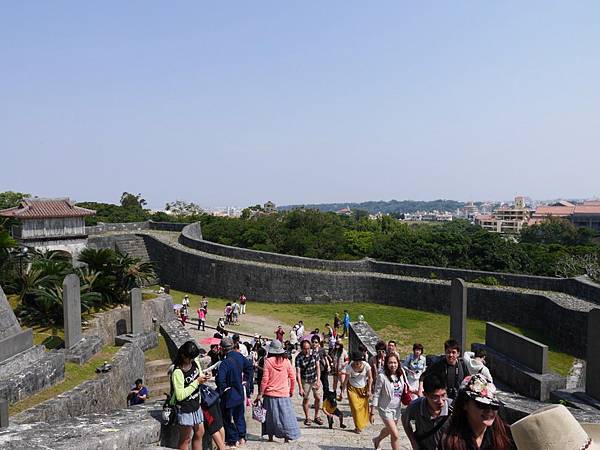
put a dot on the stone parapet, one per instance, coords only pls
(526, 351)
(519, 377)
(107, 392)
(127, 429)
(29, 372)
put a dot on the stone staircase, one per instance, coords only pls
(156, 379)
(132, 245)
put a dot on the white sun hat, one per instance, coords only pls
(554, 428)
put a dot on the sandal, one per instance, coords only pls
(318, 421)
(307, 422)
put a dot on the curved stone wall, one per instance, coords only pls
(215, 275)
(191, 236)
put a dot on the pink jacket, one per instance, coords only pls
(278, 378)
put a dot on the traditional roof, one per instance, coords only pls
(587, 209)
(556, 211)
(46, 208)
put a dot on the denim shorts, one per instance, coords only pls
(190, 419)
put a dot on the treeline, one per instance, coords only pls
(551, 248)
(393, 207)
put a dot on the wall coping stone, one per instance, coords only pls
(528, 352)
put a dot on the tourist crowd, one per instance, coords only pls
(448, 404)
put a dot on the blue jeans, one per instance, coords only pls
(234, 423)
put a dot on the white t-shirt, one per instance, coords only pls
(357, 379)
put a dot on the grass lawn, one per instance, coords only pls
(405, 326)
(74, 375)
(159, 352)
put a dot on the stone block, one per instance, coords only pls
(30, 372)
(458, 312)
(135, 311)
(145, 341)
(526, 351)
(520, 377)
(15, 343)
(72, 310)
(592, 371)
(362, 333)
(84, 349)
(3, 414)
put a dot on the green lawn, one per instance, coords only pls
(74, 375)
(159, 352)
(406, 326)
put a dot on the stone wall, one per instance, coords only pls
(108, 325)
(29, 372)
(112, 227)
(213, 275)
(133, 428)
(108, 391)
(191, 236)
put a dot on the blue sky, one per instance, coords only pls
(235, 103)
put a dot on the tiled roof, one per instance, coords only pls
(45, 208)
(557, 211)
(587, 209)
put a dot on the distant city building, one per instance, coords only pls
(506, 219)
(270, 207)
(469, 211)
(586, 214)
(344, 211)
(50, 224)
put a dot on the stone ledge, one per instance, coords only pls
(126, 429)
(81, 352)
(30, 372)
(145, 341)
(519, 377)
(108, 391)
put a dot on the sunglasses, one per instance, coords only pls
(486, 406)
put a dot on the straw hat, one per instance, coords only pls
(554, 428)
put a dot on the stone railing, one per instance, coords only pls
(105, 393)
(362, 333)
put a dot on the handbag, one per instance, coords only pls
(208, 396)
(258, 412)
(406, 397)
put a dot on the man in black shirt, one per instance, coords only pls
(451, 369)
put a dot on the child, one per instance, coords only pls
(330, 409)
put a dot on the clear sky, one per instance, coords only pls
(236, 103)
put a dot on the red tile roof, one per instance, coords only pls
(556, 211)
(587, 209)
(45, 208)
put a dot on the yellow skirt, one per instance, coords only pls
(359, 405)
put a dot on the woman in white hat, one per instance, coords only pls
(475, 424)
(276, 388)
(554, 428)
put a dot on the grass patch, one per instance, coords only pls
(50, 337)
(159, 352)
(405, 326)
(74, 375)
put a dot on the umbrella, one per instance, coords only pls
(210, 341)
(177, 306)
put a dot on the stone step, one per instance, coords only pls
(156, 390)
(158, 364)
(156, 378)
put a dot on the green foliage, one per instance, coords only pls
(488, 281)
(555, 230)
(106, 280)
(326, 235)
(11, 199)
